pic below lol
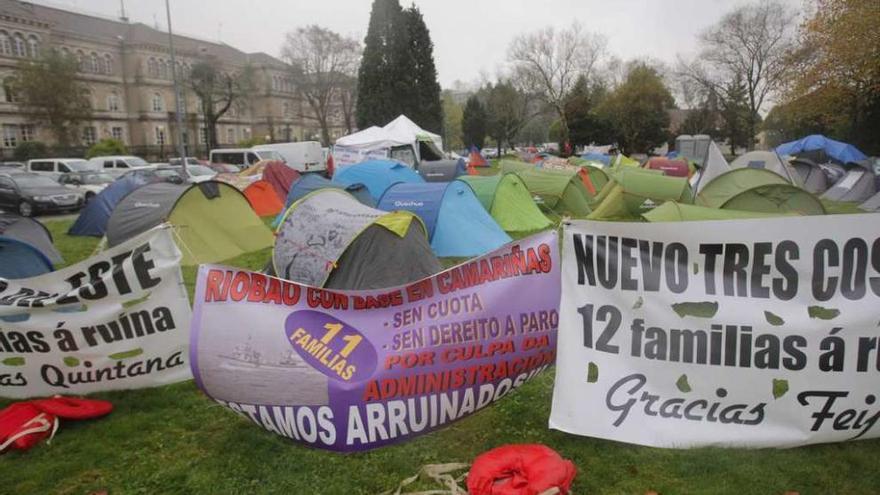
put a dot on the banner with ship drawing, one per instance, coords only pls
(751, 333)
(118, 320)
(355, 370)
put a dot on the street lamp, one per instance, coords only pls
(180, 147)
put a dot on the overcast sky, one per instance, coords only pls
(470, 36)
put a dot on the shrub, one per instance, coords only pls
(106, 147)
(30, 150)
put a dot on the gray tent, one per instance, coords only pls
(856, 186)
(442, 170)
(767, 160)
(812, 175)
(212, 221)
(328, 239)
(30, 232)
(872, 204)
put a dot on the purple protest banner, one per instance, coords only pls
(355, 370)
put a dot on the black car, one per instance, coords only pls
(28, 193)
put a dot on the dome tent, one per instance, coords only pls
(559, 192)
(506, 198)
(328, 239)
(706, 157)
(263, 199)
(456, 222)
(754, 189)
(857, 184)
(213, 220)
(281, 177)
(669, 166)
(820, 149)
(634, 191)
(442, 170)
(812, 175)
(767, 160)
(376, 175)
(26, 248)
(872, 204)
(673, 211)
(313, 182)
(92, 220)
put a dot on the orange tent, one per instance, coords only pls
(261, 195)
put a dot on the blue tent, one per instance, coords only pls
(457, 223)
(597, 157)
(842, 152)
(377, 175)
(312, 182)
(21, 260)
(92, 220)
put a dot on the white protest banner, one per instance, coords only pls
(118, 320)
(755, 333)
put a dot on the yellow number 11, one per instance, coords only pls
(352, 341)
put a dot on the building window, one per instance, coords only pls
(160, 136)
(10, 136)
(230, 135)
(5, 46)
(34, 45)
(94, 63)
(28, 132)
(152, 68)
(108, 64)
(81, 59)
(286, 109)
(203, 135)
(113, 102)
(117, 134)
(163, 70)
(9, 91)
(158, 103)
(19, 45)
(89, 135)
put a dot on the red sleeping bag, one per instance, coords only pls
(529, 469)
(25, 424)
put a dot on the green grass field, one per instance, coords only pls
(172, 440)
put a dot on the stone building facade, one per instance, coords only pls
(127, 69)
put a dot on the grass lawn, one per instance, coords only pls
(172, 440)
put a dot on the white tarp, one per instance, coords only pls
(376, 142)
(755, 333)
(118, 320)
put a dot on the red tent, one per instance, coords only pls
(672, 168)
(263, 198)
(281, 177)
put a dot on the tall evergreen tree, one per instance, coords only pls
(377, 103)
(418, 92)
(473, 123)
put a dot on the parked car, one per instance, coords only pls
(304, 156)
(196, 173)
(54, 167)
(12, 165)
(190, 160)
(242, 157)
(118, 165)
(28, 193)
(222, 168)
(89, 183)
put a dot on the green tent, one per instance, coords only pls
(755, 189)
(558, 192)
(672, 211)
(622, 160)
(506, 198)
(506, 166)
(634, 191)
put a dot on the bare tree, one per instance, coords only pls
(548, 63)
(750, 43)
(218, 91)
(323, 64)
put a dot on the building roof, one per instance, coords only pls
(111, 31)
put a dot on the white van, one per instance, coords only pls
(242, 157)
(304, 156)
(118, 165)
(54, 167)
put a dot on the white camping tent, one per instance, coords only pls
(706, 154)
(401, 139)
(768, 160)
